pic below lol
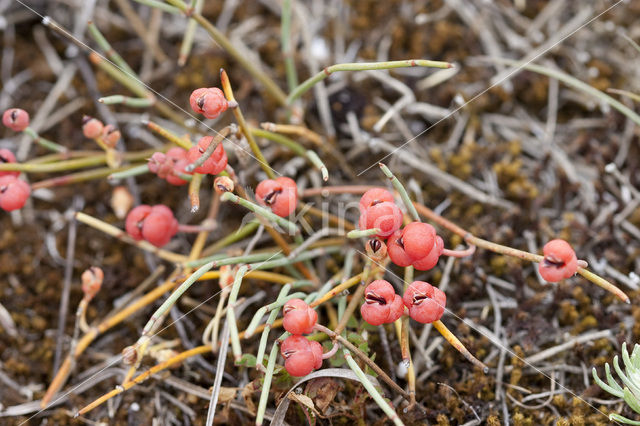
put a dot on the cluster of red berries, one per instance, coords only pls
(301, 355)
(173, 163)
(559, 261)
(280, 195)
(382, 305)
(417, 244)
(13, 191)
(155, 224)
(169, 165)
(92, 128)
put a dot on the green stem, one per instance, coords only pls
(220, 39)
(266, 384)
(377, 397)
(267, 328)
(171, 300)
(363, 233)
(295, 147)
(46, 143)
(127, 101)
(168, 135)
(231, 315)
(128, 81)
(133, 171)
(361, 66)
(255, 321)
(291, 227)
(108, 50)
(78, 177)
(403, 192)
(218, 261)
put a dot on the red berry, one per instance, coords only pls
(135, 220)
(209, 102)
(396, 251)
(159, 226)
(91, 127)
(16, 119)
(418, 239)
(381, 303)
(301, 356)
(417, 244)
(281, 195)
(7, 156)
(385, 216)
(374, 196)
(431, 259)
(13, 193)
(559, 262)
(425, 302)
(299, 318)
(212, 165)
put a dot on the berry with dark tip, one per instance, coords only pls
(13, 193)
(16, 119)
(425, 302)
(559, 261)
(280, 195)
(208, 101)
(381, 303)
(301, 356)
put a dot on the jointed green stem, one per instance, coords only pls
(265, 333)
(403, 192)
(231, 315)
(133, 171)
(295, 147)
(377, 397)
(266, 384)
(363, 233)
(127, 101)
(46, 143)
(361, 66)
(108, 50)
(291, 227)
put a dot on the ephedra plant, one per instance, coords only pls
(392, 232)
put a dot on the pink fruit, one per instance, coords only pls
(425, 302)
(299, 318)
(209, 102)
(280, 195)
(381, 303)
(373, 197)
(91, 127)
(301, 356)
(16, 119)
(13, 193)
(559, 261)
